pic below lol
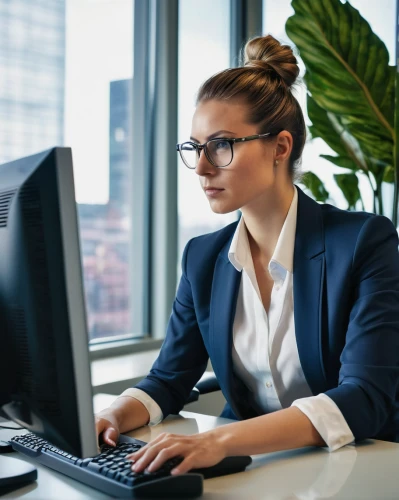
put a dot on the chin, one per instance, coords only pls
(223, 209)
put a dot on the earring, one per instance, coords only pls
(276, 163)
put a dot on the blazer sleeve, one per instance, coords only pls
(369, 373)
(183, 357)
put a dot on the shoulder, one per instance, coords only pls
(342, 233)
(360, 239)
(314, 217)
(333, 216)
(350, 224)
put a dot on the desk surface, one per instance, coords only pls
(369, 470)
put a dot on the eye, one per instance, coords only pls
(222, 144)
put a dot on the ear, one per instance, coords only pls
(284, 143)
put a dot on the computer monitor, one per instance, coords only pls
(45, 382)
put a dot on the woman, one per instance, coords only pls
(328, 378)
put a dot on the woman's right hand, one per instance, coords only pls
(124, 414)
(107, 426)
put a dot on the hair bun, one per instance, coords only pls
(267, 53)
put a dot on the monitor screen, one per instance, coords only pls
(45, 382)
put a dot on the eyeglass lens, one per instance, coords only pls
(220, 153)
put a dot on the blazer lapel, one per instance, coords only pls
(225, 288)
(309, 265)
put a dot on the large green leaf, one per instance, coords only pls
(347, 72)
(315, 186)
(349, 185)
(341, 161)
(328, 127)
(389, 175)
(322, 127)
(374, 146)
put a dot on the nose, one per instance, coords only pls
(204, 166)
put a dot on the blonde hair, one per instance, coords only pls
(264, 83)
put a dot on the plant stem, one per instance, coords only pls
(374, 192)
(361, 201)
(379, 198)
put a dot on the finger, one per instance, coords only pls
(100, 429)
(110, 436)
(100, 425)
(184, 466)
(164, 455)
(136, 455)
(106, 431)
(148, 457)
(140, 464)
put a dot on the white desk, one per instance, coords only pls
(369, 470)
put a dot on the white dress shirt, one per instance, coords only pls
(265, 353)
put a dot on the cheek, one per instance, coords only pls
(244, 185)
(253, 165)
(253, 177)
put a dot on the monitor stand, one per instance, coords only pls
(15, 473)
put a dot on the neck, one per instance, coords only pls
(264, 219)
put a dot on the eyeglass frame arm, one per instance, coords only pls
(231, 140)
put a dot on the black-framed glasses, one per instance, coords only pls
(219, 151)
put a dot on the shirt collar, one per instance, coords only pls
(283, 256)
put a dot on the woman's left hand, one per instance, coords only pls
(198, 450)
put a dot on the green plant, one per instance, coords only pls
(351, 97)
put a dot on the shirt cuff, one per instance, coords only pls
(152, 406)
(327, 419)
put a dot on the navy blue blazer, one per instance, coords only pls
(346, 310)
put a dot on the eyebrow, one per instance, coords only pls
(212, 136)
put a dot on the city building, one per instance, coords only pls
(105, 231)
(32, 76)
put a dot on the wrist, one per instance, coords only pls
(221, 438)
(129, 413)
(117, 410)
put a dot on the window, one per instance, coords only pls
(275, 15)
(66, 71)
(99, 71)
(204, 49)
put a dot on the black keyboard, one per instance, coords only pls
(111, 473)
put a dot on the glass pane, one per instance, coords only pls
(99, 71)
(32, 61)
(200, 56)
(275, 15)
(65, 79)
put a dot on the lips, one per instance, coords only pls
(212, 192)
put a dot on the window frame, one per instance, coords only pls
(155, 177)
